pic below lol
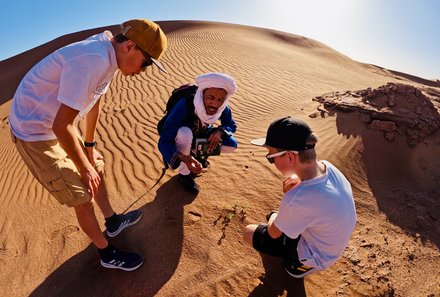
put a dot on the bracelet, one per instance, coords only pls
(270, 214)
(89, 144)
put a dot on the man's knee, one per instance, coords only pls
(229, 144)
(84, 208)
(184, 135)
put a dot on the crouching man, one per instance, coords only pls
(192, 120)
(317, 214)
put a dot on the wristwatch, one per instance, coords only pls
(89, 144)
(270, 214)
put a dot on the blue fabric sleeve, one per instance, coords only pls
(167, 140)
(176, 119)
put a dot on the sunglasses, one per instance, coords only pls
(148, 61)
(271, 157)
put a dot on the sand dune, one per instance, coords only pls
(190, 249)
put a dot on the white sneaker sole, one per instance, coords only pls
(118, 267)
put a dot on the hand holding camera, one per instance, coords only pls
(203, 148)
(214, 139)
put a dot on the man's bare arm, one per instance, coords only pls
(65, 130)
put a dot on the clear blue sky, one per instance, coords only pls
(402, 35)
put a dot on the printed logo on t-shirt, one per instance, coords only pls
(99, 89)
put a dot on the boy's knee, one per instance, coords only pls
(248, 233)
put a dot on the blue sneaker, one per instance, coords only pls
(122, 260)
(124, 220)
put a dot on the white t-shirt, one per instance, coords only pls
(322, 210)
(75, 75)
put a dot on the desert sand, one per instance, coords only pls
(192, 244)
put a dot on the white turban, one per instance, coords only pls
(212, 80)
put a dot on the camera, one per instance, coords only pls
(201, 150)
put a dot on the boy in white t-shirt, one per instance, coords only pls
(66, 84)
(317, 214)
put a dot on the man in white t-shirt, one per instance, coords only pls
(63, 86)
(317, 214)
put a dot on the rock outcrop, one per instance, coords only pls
(393, 108)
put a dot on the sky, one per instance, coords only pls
(401, 35)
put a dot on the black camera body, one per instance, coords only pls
(201, 150)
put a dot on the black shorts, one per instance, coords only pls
(283, 247)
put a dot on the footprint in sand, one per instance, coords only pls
(191, 217)
(57, 241)
(61, 234)
(7, 253)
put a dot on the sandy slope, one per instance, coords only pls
(190, 249)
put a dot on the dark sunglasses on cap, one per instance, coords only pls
(148, 61)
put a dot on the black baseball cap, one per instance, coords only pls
(288, 134)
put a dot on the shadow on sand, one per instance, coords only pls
(404, 180)
(158, 236)
(276, 281)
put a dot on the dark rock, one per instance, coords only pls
(383, 125)
(393, 107)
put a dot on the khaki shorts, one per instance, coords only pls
(51, 166)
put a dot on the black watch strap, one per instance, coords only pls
(89, 144)
(270, 214)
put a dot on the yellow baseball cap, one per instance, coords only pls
(148, 36)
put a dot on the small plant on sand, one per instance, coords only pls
(227, 215)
